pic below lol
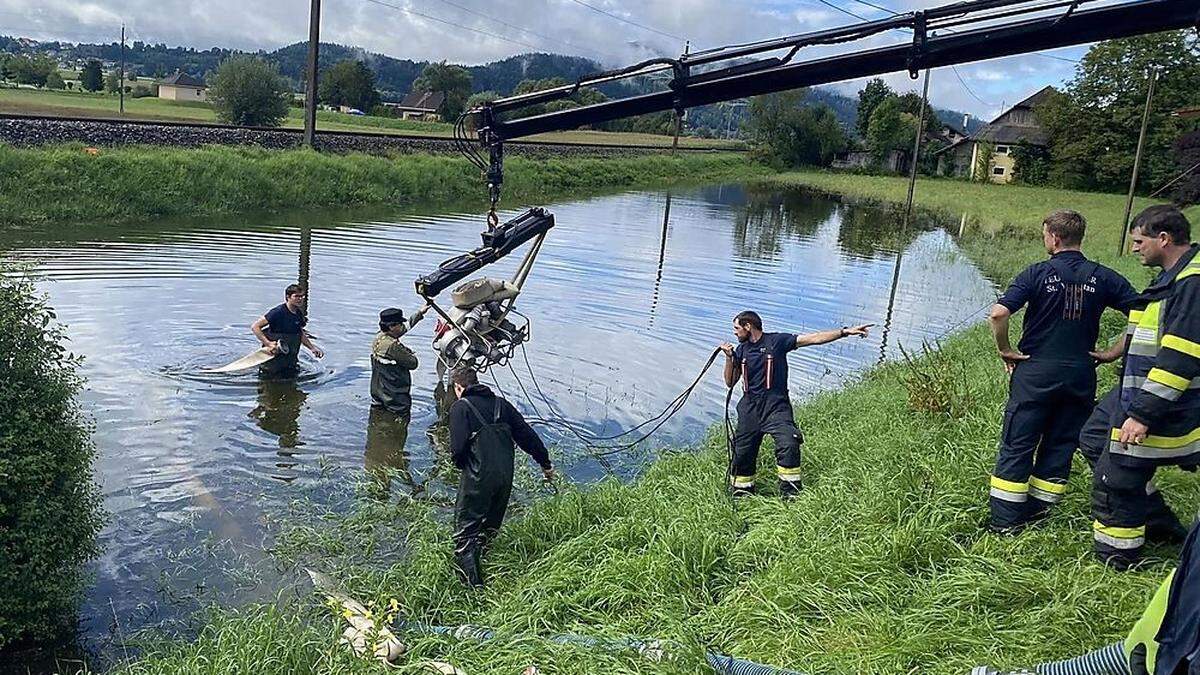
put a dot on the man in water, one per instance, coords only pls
(483, 429)
(392, 364)
(282, 330)
(1053, 374)
(760, 361)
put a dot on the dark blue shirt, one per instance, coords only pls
(281, 321)
(763, 364)
(1066, 296)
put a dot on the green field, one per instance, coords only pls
(881, 566)
(81, 104)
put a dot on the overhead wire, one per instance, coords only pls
(447, 22)
(628, 21)
(514, 26)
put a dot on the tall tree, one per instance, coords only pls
(249, 91)
(349, 83)
(891, 128)
(869, 98)
(92, 77)
(786, 133)
(454, 82)
(1094, 126)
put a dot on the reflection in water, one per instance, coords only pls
(183, 458)
(768, 217)
(662, 257)
(387, 433)
(278, 413)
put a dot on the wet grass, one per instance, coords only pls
(68, 184)
(881, 566)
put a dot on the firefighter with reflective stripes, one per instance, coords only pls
(1158, 420)
(1053, 376)
(760, 361)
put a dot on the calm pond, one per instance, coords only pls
(630, 295)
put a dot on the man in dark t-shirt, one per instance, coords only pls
(760, 361)
(282, 329)
(1053, 370)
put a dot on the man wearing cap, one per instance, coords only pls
(392, 364)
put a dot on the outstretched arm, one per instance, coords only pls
(825, 336)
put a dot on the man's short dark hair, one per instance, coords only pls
(1067, 225)
(1163, 218)
(748, 318)
(464, 377)
(292, 290)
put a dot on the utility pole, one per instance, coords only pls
(687, 47)
(310, 93)
(121, 85)
(1137, 161)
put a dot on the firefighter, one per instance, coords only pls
(392, 364)
(760, 361)
(1162, 525)
(1158, 420)
(483, 429)
(1053, 377)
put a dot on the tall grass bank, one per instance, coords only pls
(73, 183)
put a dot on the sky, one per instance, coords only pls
(614, 32)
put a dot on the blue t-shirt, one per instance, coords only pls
(763, 364)
(281, 321)
(1066, 296)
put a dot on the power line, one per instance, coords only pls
(968, 88)
(628, 21)
(498, 20)
(451, 23)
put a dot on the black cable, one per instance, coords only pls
(628, 21)
(414, 12)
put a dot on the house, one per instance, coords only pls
(182, 87)
(893, 162)
(419, 105)
(1015, 126)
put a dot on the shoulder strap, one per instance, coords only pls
(478, 415)
(496, 413)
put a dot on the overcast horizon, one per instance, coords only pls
(613, 32)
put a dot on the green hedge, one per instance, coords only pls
(49, 504)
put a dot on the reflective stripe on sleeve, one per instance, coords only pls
(1181, 345)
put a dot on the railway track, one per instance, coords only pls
(27, 129)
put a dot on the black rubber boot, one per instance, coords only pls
(1120, 562)
(468, 567)
(1163, 526)
(789, 489)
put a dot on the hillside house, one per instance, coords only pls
(419, 105)
(1017, 125)
(182, 87)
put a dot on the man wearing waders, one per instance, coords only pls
(282, 329)
(483, 429)
(1053, 371)
(392, 364)
(1158, 420)
(760, 361)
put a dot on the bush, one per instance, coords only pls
(249, 91)
(49, 505)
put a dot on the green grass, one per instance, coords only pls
(83, 104)
(66, 184)
(881, 566)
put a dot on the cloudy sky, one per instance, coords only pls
(477, 31)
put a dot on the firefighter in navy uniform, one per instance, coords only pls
(483, 431)
(760, 361)
(1053, 377)
(1158, 420)
(1162, 525)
